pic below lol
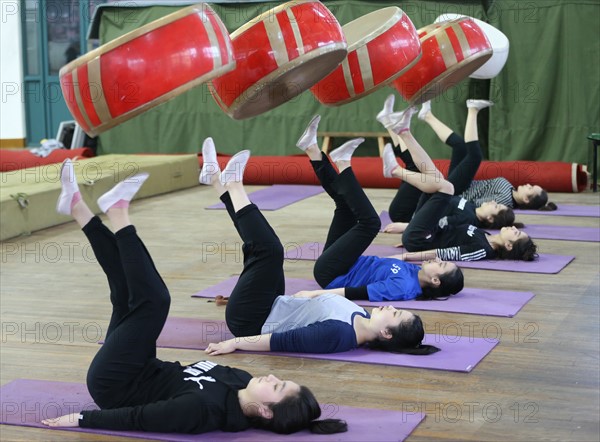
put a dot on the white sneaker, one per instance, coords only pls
(125, 190)
(479, 104)
(401, 120)
(69, 187)
(309, 136)
(425, 109)
(345, 151)
(234, 170)
(389, 161)
(210, 165)
(388, 107)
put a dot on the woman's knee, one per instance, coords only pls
(372, 223)
(272, 251)
(164, 300)
(411, 241)
(277, 251)
(321, 274)
(407, 240)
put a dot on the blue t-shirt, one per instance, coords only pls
(386, 279)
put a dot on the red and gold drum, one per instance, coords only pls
(279, 54)
(146, 67)
(452, 51)
(381, 46)
(499, 42)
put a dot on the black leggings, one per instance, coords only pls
(465, 161)
(423, 227)
(140, 301)
(354, 225)
(262, 279)
(405, 202)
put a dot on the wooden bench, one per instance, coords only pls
(328, 137)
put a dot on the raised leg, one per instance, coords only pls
(131, 341)
(345, 245)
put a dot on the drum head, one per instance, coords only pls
(450, 78)
(369, 26)
(281, 86)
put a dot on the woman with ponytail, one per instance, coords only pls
(132, 388)
(483, 203)
(429, 235)
(263, 319)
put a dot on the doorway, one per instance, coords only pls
(54, 33)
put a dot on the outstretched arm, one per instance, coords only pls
(249, 343)
(417, 256)
(395, 228)
(68, 420)
(186, 413)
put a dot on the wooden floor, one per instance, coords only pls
(540, 383)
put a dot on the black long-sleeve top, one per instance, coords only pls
(170, 398)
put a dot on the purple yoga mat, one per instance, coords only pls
(537, 231)
(470, 300)
(565, 210)
(566, 233)
(546, 263)
(25, 402)
(384, 216)
(310, 251)
(458, 353)
(278, 196)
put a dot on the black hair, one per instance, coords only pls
(504, 218)
(298, 412)
(406, 338)
(549, 207)
(539, 202)
(523, 249)
(450, 284)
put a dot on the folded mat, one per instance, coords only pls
(470, 300)
(564, 210)
(457, 353)
(22, 159)
(28, 197)
(278, 196)
(537, 231)
(546, 263)
(25, 402)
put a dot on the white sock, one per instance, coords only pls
(345, 151)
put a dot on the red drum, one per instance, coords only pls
(452, 51)
(381, 46)
(499, 42)
(279, 54)
(146, 67)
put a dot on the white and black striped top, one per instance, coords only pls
(496, 189)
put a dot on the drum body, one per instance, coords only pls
(279, 54)
(381, 46)
(499, 42)
(452, 51)
(146, 67)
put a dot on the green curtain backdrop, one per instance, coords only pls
(547, 96)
